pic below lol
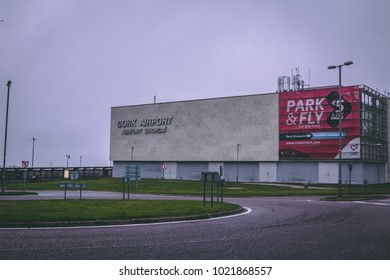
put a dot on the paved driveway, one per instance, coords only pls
(273, 228)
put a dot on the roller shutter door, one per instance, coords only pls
(247, 171)
(151, 170)
(191, 170)
(298, 172)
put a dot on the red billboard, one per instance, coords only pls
(309, 123)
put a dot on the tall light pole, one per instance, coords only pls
(132, 152)
(5, 137)
(340, 116)
(67, 160)
(32, 157)
(238, 151)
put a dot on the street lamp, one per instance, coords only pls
(340, 113)
(5, 137)
(132, 151)
(32, 158)
(67, 160)
(238, 150)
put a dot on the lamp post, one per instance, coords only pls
(32, 157)
(5, 137)
(132, 152)
(238, 150)
(340, 116)
(67, 160)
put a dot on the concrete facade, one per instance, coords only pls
(201, 130)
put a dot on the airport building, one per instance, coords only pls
(284, 136)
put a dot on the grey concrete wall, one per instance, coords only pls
(200, 130)
(388, 143)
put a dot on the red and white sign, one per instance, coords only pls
(164, 166)
(309, 123)
(25, 163)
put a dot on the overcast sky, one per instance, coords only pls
(70, 61)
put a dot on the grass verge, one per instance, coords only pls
(41, 213)
(176, 187)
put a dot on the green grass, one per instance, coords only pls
(74, 212)
(176, 187)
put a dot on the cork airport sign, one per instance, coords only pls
(157, 125)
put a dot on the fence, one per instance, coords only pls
(54, 173)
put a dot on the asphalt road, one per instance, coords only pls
(272, 228)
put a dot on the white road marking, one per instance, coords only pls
(247, 211)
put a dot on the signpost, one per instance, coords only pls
(132, 173)
(25, 164)
(164, 167)
(72, 183)
(212, 177)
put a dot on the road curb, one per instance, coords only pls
(59, 225)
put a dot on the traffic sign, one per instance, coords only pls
(164, 166)
(25, 163)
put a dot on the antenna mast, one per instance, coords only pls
(285, 83)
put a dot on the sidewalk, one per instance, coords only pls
(294, 186)
(75, 194)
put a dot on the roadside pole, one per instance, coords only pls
(164, 167)
(25, 164)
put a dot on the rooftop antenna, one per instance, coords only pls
(283, 83)
(297, 83)
(294, 83)
(295, 79)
